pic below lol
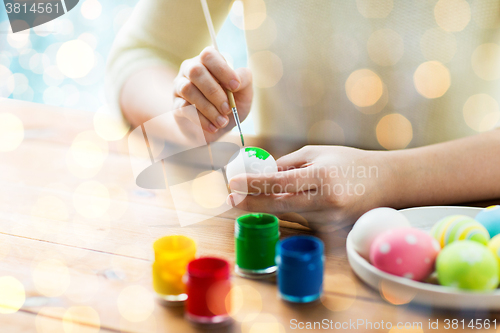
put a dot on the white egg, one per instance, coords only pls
(373, 223)
(251, 160)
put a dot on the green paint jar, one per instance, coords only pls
(255, 241)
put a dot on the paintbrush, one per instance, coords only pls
(230, 95)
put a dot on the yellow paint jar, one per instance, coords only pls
(172, 255)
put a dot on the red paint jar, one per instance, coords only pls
(207, 287)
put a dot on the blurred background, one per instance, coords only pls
(33, 66)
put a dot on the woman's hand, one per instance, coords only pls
(202, 81)
(319, 186)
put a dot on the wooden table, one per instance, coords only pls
(91, 252)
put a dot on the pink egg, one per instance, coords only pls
(407, 252)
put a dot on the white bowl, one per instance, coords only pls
(400, 290)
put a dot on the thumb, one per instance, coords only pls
(245, 76)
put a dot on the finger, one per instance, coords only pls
(220, 69)
(290, 181)
(274, 203)
(198, 74)
(297, 159)
(195, 118)
(187, 90)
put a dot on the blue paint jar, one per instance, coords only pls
(300, 263)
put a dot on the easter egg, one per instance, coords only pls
(251, 160)
(494, 246)
(467, 265)
(490, 219)
(371, 224)
(459, 227)
(407, 252)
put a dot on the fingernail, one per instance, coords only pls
(212, 128)
(222, 121)
(233, 84)
(229, 200)
(234, 184)
(225, 108)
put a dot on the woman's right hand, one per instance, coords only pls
(202, 82)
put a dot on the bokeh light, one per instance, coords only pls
(11, 131)
(432, 79)
(364, 87)
(19, 39)
(47, 320)
(91, 9)
(91, 199)
(89, 150)
(452, 15)
(51, 277)
(264, 322)
(378, 106)
(248, 15)
(374, 8)
(39, 62)
(90, 39)
(243, 303)
(267, 69)
(109, 126)
(437, 44)
(135, 303)
(337, 284)
(395, 329)
(12, 295)
(481, 112)
(485, 61)
(326, 132)
(385, 47)
(395, 294)
(394, 131)
(20, 83)
(209, 182)
(52, 76)
(6, 85)
(75, 59)
(81, 314)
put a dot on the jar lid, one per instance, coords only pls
(256, 226)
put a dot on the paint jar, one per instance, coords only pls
(172, 255)
(208, 286)
(255, 241)
(300, 268)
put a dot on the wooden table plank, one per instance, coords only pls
(111, 253)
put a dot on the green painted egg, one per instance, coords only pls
(459, 227)
(494, 246)
(467, 265)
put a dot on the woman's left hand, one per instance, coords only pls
(319, 186)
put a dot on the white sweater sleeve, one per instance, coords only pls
(159, 32)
